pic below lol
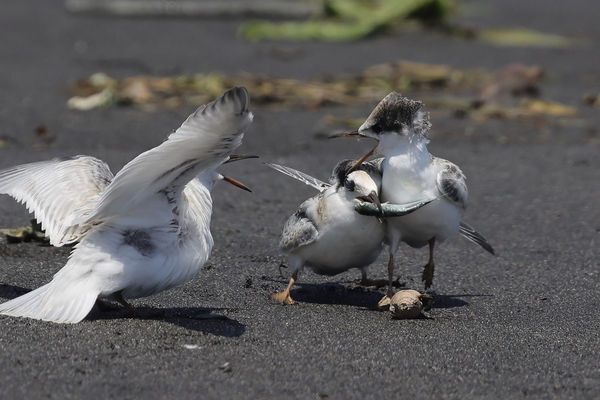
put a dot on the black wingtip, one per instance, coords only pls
(240, 96)
(473, 236)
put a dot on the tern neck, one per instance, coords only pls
(208, 178)
(197, 207)
(412, 145)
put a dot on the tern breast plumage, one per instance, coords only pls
(326, 233)
(142, 231)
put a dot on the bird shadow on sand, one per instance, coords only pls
(350, 294)
(336, 294)
(9, 292)
(200, 319)
(452, 300)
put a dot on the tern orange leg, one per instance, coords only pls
(284, 297)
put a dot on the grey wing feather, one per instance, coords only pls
(301, 176)
(205, 139)
(472, 235)
(299, 230)
(59, 192)
(451, 182)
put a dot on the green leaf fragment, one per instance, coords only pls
(348, 20)
(520, 37)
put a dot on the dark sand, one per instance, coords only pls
(524, 324)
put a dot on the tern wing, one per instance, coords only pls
(204, 140)
(301, 176)
(451, 182)
(472, 235)
(58, 192)
(299, 230)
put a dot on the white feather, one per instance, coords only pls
(58, 192)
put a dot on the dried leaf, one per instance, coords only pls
(136, 90)
(519, 37)
(102, 99)
(32, 232)
(592, 99)
(458, 86)
(550, 108)
(515, 80)
(330, 31)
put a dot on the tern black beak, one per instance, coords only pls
(364, 158)
(236, 183)
(356, 133)
(345, 134)
(373, 198)
(238, 157)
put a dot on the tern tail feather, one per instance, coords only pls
(49, 303)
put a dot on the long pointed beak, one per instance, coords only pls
(356, 133)
(236, 183)
(238, 157)
(364, 158)
(372, 198)
(344, 134)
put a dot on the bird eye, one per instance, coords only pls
(376, 128)
(349, 185)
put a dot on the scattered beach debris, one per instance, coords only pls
(511, 92)
(43, 137)
(325, 20)
(225, 367)
(592, 99)
(409, 303)
(30, 233)
(520, 37)
(343, 20)
(195, 8)
(153, 92)
(514, 80)
(101, 99)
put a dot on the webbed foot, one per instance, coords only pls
(283, 298)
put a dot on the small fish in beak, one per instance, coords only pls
(372, 198)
